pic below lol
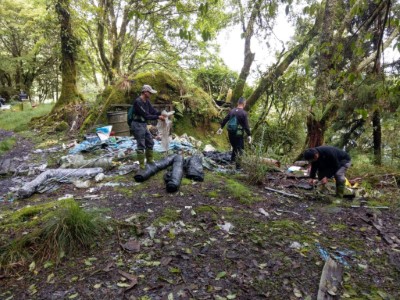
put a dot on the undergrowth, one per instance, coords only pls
(65, 230)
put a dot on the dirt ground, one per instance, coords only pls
(205, 242)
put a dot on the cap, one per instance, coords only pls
(148, 88)
(309, 154)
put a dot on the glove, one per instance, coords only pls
(249, 139)
(219, 131)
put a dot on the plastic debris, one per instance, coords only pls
(173, 177)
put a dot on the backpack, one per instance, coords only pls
(232, 125)
(131, 112)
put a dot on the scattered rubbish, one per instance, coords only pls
(173, 177)
(372, 207)
(164, 128)
(338, 255)
(223, 158)
(104, 132)
(151, 169)
(66, 196)
(99, 177)
(194, 168)
(263, 212)
(5, 107)
(294, 168)
(77, 161)
(60, 175)
(126, 169)
(80, 184)
(295, 245)
(226, 226)
(209, 148)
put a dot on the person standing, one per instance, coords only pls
(238, 124)
(143, 112)
(328, 162)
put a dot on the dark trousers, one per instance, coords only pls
(237, 143)
(142, 135)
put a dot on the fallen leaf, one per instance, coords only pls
(73, 296)
(220, 275)
(50, 278)
(165, 261)
(97, 286)
(132, 278)
(132, 245)
(32, 266)
(297, 293)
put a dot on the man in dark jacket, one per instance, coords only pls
(236, 138)
(144, 111)
(328, 161)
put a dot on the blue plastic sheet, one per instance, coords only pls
(122, 143)
(338, 255)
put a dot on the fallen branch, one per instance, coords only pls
(283, 193)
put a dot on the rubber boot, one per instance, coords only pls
(149, 156)
(340, 189)
(140, 158)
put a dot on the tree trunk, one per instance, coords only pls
(69, 91)
(248, 55)
(276, 72)
(316, 128)
(377, 136)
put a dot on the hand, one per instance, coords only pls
(312, 181)
(324, 180)
(161, 117)
(219, 131)
(249, 139)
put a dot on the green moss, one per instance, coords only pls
(240, 192)
(7, 144)
(169, 215)
(29, 216)
(339, 227)
(212, 194)
(62, 126)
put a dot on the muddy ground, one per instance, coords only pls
(208, 241)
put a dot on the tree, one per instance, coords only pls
(69, 44)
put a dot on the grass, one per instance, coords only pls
(18, 120)
(6, 145)
(66, 229)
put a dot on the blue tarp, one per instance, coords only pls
(121, 143)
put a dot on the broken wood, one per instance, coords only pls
(331, 278)
(283, 193)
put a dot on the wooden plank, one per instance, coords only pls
(331, 278)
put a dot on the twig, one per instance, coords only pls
(283, 193)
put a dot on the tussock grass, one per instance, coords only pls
(18, 120)
(64, 230)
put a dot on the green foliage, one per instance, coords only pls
(19, 120)
(169, 215)
(6, 145)
(216, 80)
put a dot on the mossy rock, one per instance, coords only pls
(188, 101)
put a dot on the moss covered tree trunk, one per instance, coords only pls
(69, 91)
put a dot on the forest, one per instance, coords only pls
(335, 82)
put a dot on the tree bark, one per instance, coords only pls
(316, 128)
(69, 91)
(248, 55)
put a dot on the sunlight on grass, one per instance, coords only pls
(18, 120)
